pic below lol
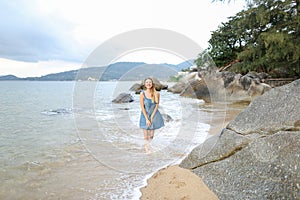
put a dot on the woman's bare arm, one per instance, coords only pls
(148, 122)
(156, 106)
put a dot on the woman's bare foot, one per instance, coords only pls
(146, 147)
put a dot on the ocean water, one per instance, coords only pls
(67, 140)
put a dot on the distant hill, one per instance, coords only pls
(185, 65)
(9, 78)
(115, 71)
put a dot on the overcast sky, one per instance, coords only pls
(49, 36)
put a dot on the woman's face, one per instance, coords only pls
(148, 83)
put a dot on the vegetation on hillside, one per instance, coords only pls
(265, 37)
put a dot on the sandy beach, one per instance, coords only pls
(174, 182)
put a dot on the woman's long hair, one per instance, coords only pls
(153, 92)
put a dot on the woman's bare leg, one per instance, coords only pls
(146, 146)
(151, 132)
(146, 137)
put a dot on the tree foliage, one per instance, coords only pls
(265, 38)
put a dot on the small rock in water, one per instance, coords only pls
(167, 118)
(57, 111)
(124, 108)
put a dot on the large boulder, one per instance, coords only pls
(178, 87)
(123, 98)
(137, 87)
(184, 82)
(196, 89)
(257, 155)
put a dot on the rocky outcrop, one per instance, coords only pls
(257, 155)
(184, 81)
(123, 98)
(213, 86)
(137, 87)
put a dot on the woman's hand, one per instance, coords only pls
(148, 122)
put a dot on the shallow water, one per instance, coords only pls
(66, 140)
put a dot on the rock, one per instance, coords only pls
(228, 77)
(58, 111)
(277, 110)
(210, 88)
(184, 82)
(177, 87)
(238, 87)
(196, 89)
(257, 155)
(246, 81)
(123, 98)
(215, 148)
(257, 89)
(137, 87)
(235, 90)
(214, 86)
(262, 76)
(158, 85)
(264, 169)
(166, 117)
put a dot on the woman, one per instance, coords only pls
(150, 118)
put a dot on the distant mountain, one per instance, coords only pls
(115, 71)
(62, 76)
(185, 65)
(9, 78)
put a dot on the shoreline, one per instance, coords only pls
(174, 182)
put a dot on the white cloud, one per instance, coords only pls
(98, 20)
(35, 69)
(28, 37)
(68, 30)
(151, 56)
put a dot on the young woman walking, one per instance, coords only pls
(150, 118)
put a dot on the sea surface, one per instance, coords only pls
(67, 140)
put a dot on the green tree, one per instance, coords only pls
(274, 47)
(265, 37)
(225, 44)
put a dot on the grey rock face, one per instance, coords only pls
(196, 89)
(123, 98)
(278, 109)
(221, 86)
(215, 148)
(184, 83)
(257, 155)
(178, 87)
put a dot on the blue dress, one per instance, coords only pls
(157, 122)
